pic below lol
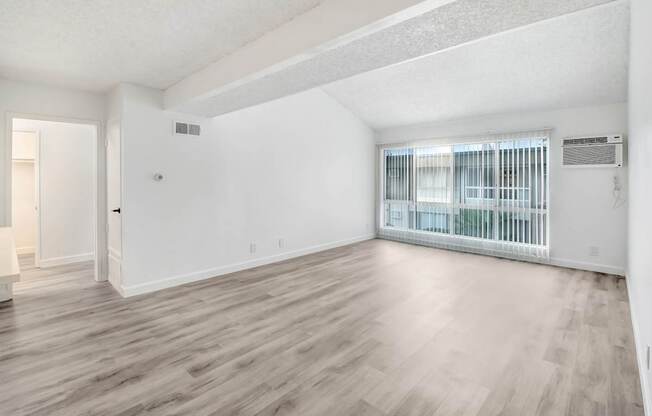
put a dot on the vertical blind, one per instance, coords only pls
(488, 195)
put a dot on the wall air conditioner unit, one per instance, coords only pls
(592, 151)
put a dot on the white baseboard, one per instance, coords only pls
(484, 251)
(6, 291)
(60, 261)
(119, 289)
(640, 354)
(25, 250)
(165, 283)
(591, 267)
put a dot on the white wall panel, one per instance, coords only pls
(300, 169)
(640, 155)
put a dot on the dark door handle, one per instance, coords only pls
(116, 210)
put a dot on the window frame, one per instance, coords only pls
(497, 205)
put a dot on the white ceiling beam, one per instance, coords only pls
(342, 38)
(331, 22)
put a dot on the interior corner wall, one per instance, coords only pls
(270, 182)
(582, 211)
(639, 272)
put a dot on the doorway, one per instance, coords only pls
(54, 192)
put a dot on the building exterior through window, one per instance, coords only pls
(491, 190)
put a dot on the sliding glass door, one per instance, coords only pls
(488, 196)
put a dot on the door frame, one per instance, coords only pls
(99, 182)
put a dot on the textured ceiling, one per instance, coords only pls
(574, 60)
(94, 44)
(443, 27)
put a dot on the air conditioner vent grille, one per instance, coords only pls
(181, 128)
(187, 128)
(586, 140)
(194, 129)
(590, 155)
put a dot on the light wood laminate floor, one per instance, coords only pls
(376, 328)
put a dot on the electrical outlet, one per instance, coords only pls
(594, 251)
(252, 248)
(281, 242)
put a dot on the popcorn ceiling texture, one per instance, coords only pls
(575, 60)
(444, 27)
(95, 44)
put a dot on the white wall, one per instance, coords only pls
(23, 190)
(581, 200)
(24, 201)
(23, 145)
(639, 272)
(300, 168)
(66, 167)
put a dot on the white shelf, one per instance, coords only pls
(9, 269)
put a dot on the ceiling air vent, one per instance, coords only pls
(592, 151)
(187, 129)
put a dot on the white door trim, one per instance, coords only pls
(99, 183)
(37, 196)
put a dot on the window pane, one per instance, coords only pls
(398, 172)
(474, 223)
(475, 174)
(492, 190)
(523, 173)
(474, 186)
(433, 174)
(432, 219)
(397, 214)
(522, 227)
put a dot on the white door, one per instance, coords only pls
(114, 198)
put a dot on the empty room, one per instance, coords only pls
(325, 207)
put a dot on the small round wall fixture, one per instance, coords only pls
(158, 177)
